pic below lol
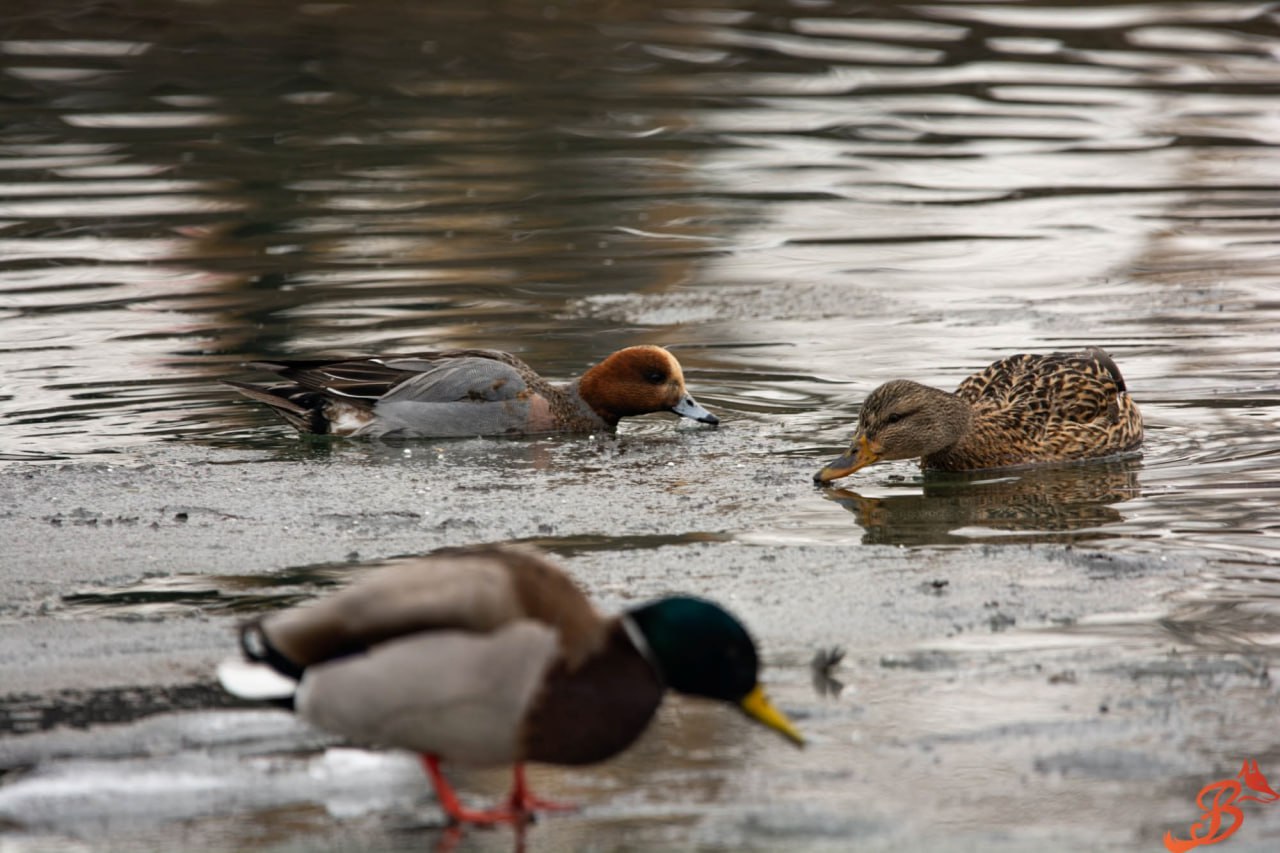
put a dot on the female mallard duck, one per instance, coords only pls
(1020, 410)
(490, 656)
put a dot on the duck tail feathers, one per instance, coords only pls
(1103, 358)
(288, 403)
(257, 682)
(263, 674)
(259, 649)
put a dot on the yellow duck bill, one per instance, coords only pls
(859, 455)
(758, 707)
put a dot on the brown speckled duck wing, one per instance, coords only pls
(471, 589)
(1053, 407)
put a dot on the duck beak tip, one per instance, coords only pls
(859, 455)
(689, 408)
(758, 707)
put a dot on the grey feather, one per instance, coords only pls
(478, 380)
(457, 694)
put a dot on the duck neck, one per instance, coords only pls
(585, 389)
(954, 430)
(637, 638)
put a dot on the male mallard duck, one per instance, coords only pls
(490, 656)
(1020, 410)
(470, 392)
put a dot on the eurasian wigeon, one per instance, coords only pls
(1020, 410)
(455, 393)
(492, 656)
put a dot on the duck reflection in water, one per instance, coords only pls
(1058, 503)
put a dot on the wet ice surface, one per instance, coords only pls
(803, 203)
(979, 681)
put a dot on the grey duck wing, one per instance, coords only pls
(442, 376)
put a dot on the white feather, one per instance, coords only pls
(250, 680)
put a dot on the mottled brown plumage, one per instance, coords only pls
(1021, 410)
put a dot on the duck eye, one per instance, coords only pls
(655, 376)
(894, 418)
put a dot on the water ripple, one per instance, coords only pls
(818, 201)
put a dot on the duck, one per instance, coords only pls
(489, 656)
(1021, 410)
(470, 392)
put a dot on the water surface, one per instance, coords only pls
(801, 199)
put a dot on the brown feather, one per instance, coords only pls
(473, 589)
(1044, 408)
(1020, 410)
(587, 713)
(548, 595)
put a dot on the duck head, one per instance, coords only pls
(701, 650)
(637, 381)
(901, 420)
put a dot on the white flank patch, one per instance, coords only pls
(347, 420)
(254, 680)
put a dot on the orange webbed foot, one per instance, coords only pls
(524, 800)
(522, 805)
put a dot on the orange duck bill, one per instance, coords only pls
(859, 455)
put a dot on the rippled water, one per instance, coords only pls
(802, 201)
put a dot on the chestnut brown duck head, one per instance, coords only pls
(1020, 410)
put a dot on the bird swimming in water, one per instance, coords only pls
(457, 393)
(1020, 410)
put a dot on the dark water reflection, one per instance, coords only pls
(805, 200)
(1064, 504)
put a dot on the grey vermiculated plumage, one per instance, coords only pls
(457, 393)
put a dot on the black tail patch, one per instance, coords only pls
(257, 648)
(1108, 364)
(304, 410)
